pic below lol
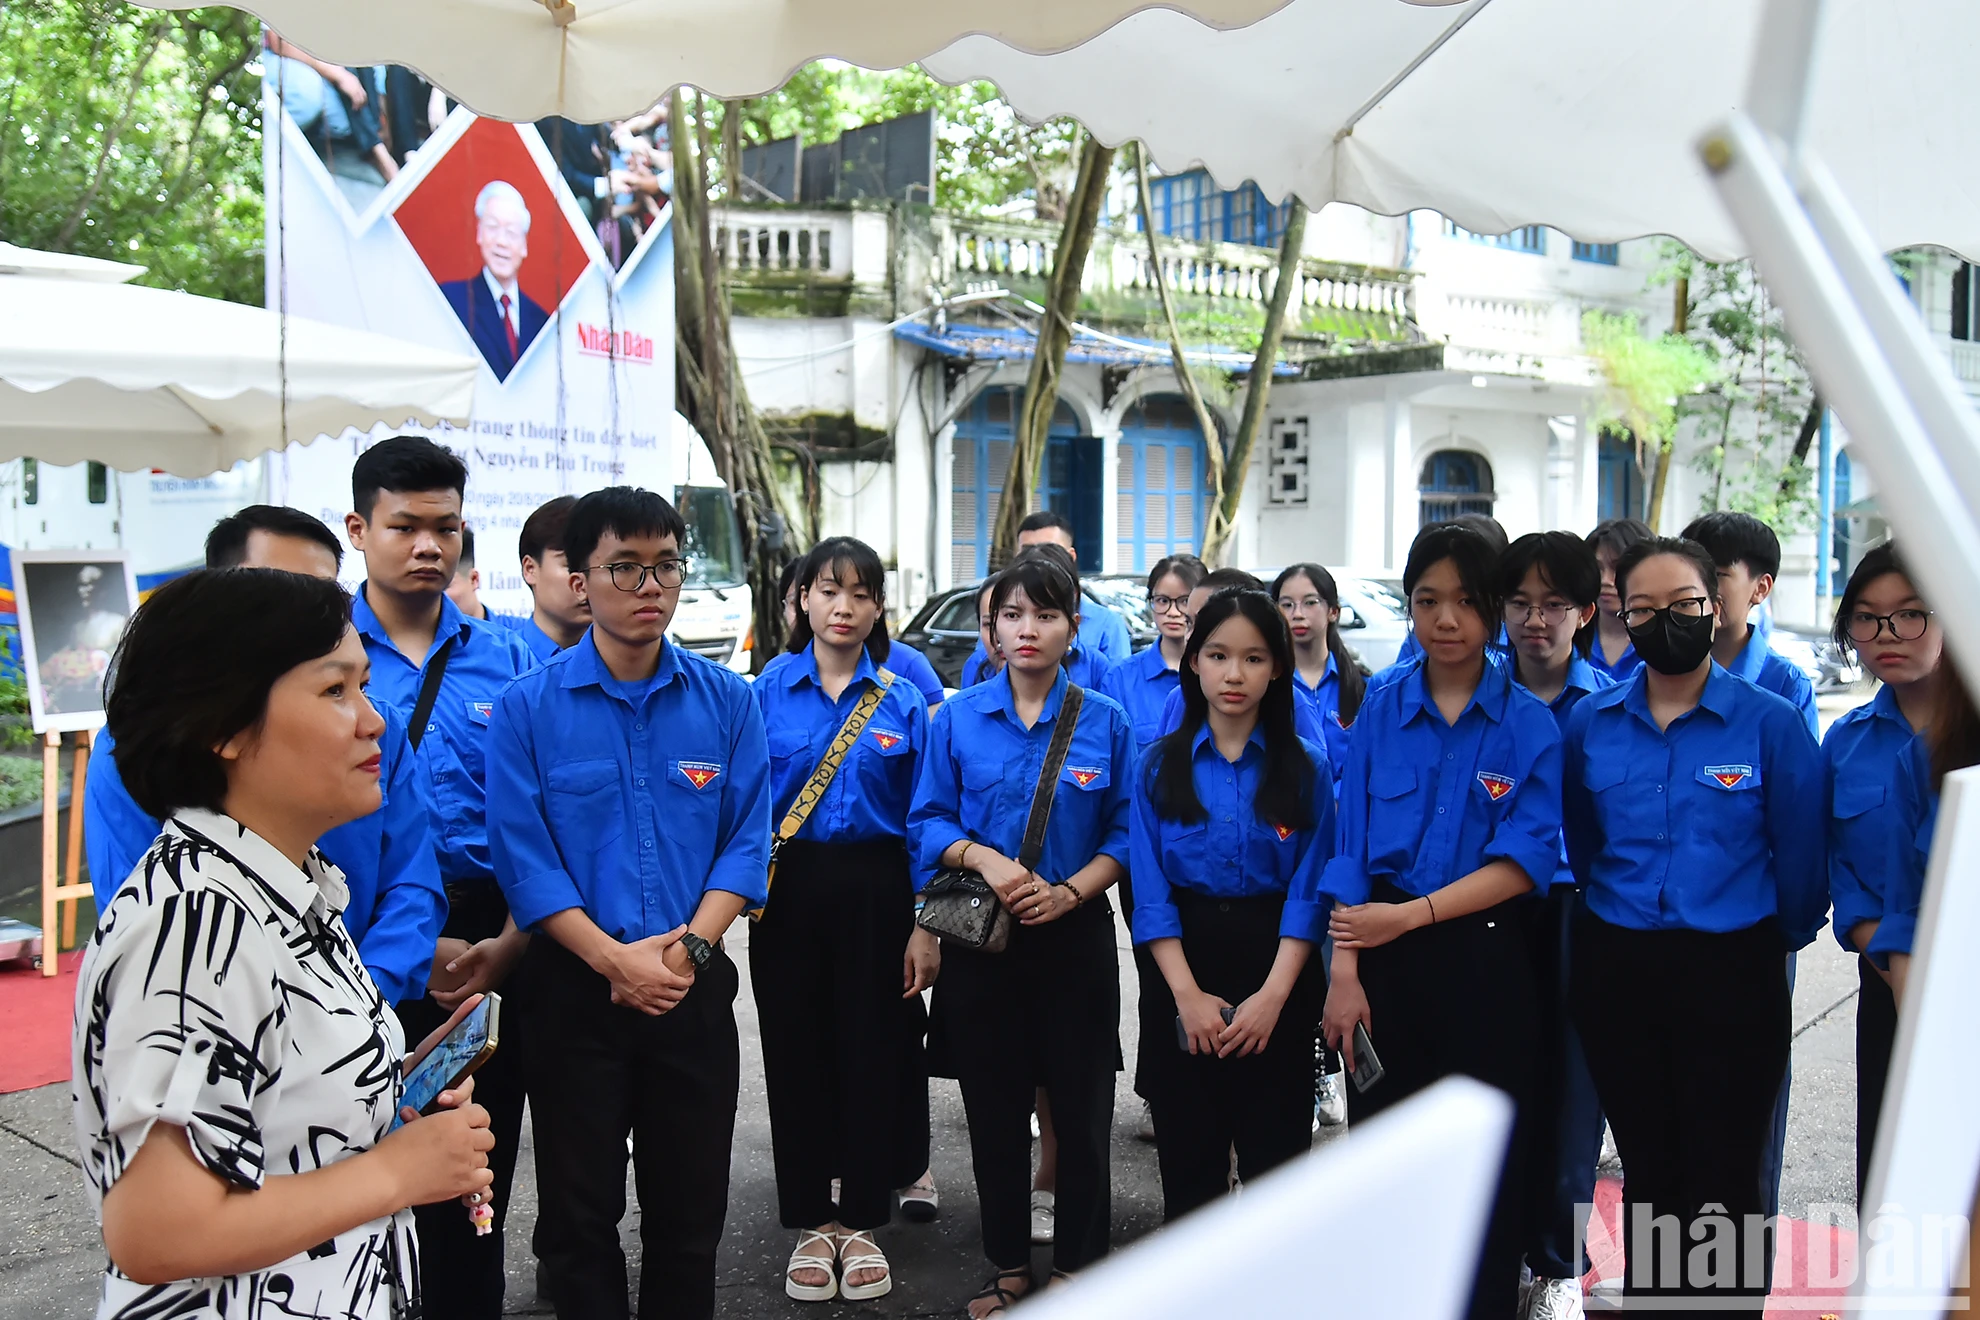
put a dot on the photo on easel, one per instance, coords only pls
(73, 607)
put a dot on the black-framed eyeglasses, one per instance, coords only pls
(1553, 613)
(667, 573)
(1905, 625)
(1693, 607)
(1169, 604)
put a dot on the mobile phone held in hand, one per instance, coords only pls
(1367, 1065)
(469, 1045)
(1182, 1032)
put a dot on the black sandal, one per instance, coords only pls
(1005, 1298)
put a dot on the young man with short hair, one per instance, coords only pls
(442, 671)
(629, 786)
(561, 614)
(395, 905)
(1748, 556)
(465, 589)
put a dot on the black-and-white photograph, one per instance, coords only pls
(73, 608)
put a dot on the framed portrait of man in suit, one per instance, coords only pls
(494, 233)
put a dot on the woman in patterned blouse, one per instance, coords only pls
(236, 1070)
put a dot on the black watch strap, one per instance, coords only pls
(699, 951)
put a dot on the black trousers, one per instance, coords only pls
(1567, 1115)
(1457, 998)
(461, 1273)
(1045, 1012)
(1204, 1105)
(842, 1050)
(599, 1073)
(1876, 1034)
(1687, 1037)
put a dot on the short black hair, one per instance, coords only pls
(624, 511)
(544, 529)
(1225, 579)
(1043, 519)
(1566, 565)
(1047, 580)
(195, 668)
(465, 564)
(1691, 552)
(1471, 554)
(850, 561)
(787, 576)
(1053, 551)
(1486, 526)
(1737, 538)
(404, 463)
(1878, 562)
(1616, 535)
(1187, 567)
(226, 544)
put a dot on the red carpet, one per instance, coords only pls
(36, 1014)
(1814, 1264)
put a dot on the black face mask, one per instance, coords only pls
(1672, 643)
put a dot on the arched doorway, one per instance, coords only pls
(1618, 481)
(1453, 481)
(1069, 482)
(1161, 494)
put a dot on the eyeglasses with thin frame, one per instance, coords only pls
(1692, 607)
(1169, 605)
(668, 573)
(1553, 613)
(1905, 625)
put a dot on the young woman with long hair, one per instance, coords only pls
(1880, 798)
(1324, 671)
(1695, 824)
(1609, 650)
(1450, 815)
(1142, 683)
(836, 960)
(1045, 1010)
(1231, 813)
(1550, 583)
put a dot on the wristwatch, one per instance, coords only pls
(699, 951)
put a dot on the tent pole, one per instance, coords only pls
(1784, 68)
(1825, 524)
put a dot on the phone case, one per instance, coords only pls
(1182, 1032)
(1367, 1064)
(481, 1056)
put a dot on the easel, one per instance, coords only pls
(59, 887)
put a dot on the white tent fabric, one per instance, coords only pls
(30, 261)
(1580, 114)
(594, 60)
(146, 378)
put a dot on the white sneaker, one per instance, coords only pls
(1330, 1105)
(1555, 1299)
(1044, 1217)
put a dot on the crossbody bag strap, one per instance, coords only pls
(429, 692)
(827, 769)
(1063, 729)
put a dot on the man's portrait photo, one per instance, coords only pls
(492, 305)
(491, 220)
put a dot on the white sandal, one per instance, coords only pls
(802, 1259)
(853, 1259)
(920, 1200)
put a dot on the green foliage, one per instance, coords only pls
(14, 728)
(1752, 414)
(134, 134)
(20, 781)
(1647, 377)
(988, 156)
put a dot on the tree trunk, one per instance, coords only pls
(1258, 388)
(1048, 361)
(1680, 323)
(1213, 443)
(732, 189)
(710, 390)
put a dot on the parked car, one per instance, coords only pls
(1829, 667)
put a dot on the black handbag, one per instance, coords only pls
(959, 906)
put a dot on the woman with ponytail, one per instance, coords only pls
(1324, 672)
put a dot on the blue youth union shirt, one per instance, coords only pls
(1142, 684)
(1713, 824)
(914, 667)
(1325, 701)
(1424, 803)
(1582, 679)
(396, 904)
(1624, 667)
(451, 760)
(1767, 669)
(982, 766)
(1231, 853)
(540, 645)
(869, 796)
(1874, 772)
(630, 803)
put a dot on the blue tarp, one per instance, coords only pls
(1000, 343)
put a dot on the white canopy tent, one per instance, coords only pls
(95, 368)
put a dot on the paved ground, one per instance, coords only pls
(49, 1250)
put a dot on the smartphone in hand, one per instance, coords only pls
(1182, 1032)
(1367, 1065)
(469, 1045)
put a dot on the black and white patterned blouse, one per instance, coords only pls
(222, 994)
